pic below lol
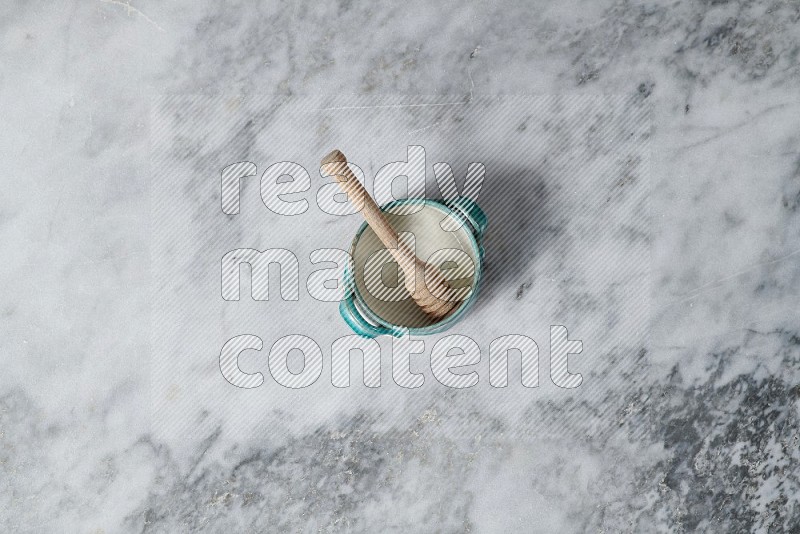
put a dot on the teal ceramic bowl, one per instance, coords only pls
(436, 225)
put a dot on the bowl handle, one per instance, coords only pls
(357, 322)
(473, 213)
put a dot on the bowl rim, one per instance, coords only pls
(448, 321)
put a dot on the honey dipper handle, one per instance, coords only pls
(335, 164)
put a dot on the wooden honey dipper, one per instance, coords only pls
(335, 164)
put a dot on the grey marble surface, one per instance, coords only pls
(707, 439)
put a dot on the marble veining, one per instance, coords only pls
(704, 439)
